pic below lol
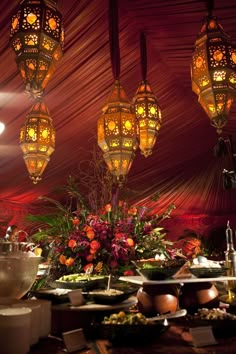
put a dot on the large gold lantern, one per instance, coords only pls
(37, 140)
(213, 71)
(37, 38)
(117, 133)
(117, 127)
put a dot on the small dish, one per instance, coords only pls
(160, 270)
(109, 297)
(208, 272)
(57, 296)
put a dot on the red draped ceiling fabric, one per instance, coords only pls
(182, 168)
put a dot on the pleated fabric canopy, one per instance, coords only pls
(182, 167)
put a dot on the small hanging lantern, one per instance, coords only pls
(37, 38)
(213, 71)
(37, 140)
(117, 132)
(147, 110)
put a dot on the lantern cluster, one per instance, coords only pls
(37, 38)
(213, 71)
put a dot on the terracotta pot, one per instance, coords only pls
(197, 295)
(153, 299)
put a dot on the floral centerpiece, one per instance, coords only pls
(105, 240)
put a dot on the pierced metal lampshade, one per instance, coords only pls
(213, 71)
(117, 133)
(148, 114)
(37, 140)
(37, 38)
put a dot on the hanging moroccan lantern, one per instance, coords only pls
(37, 140)
(117, 127)
(147, 110)
(37, 38)
(213, 71)
(117, 133)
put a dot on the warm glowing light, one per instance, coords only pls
(199, 62)
(128, 125)
(111, 125)
(31, 133)
(153, 110)
(140, 110)
(218, 55)
(52, 24)
(2, 127)
(45, 134)
(213, 71)
(31, 18)
(15, 23)
(233, 57)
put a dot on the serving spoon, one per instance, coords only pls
(179, 313)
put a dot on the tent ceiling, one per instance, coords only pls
(182, 168)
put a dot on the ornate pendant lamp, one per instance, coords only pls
(213, 70)
(37, 38)
(147, 110)
(37, 140)
(117, 128)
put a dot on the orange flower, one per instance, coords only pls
(191, 247)
(132, 211)
(130, 242)
(69, 262)
(62, 259)
(92, 251)
(108, 208)
(95, 245)
(90, 234)
(76, 221)
(87, 266)
(72, 243)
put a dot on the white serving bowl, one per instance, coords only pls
(18, 271)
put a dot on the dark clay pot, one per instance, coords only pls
(153, 299)
(198, 295)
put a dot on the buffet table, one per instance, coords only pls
(176, 339)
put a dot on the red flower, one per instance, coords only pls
(88, 266)
(89, 257)
(95, 245)
(72, 243)
(128, 272)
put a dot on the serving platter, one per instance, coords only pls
(85, 284)
(139, 280)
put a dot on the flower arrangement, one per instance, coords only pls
(106, 239)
